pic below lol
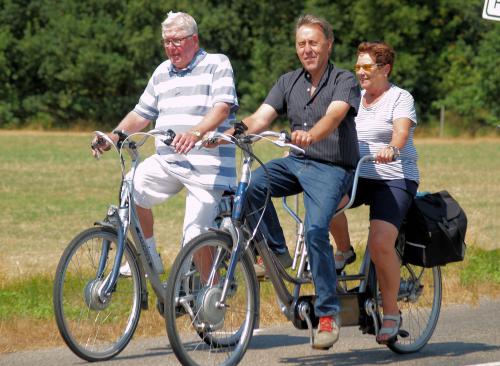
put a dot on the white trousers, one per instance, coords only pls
(154, 184)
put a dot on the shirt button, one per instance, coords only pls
(305, 124)
(308, 89)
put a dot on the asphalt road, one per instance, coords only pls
(465, 335)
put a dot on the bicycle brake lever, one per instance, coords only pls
(295, 148)
(282, 143)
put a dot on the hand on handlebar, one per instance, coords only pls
(184, 142)
(99, 144)
(386, 155)
(302, 138)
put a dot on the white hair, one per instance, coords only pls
(180, 21)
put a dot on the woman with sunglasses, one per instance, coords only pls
(385, 125)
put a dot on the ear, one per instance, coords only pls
(387, 69)
(195, 38)
(330, 46)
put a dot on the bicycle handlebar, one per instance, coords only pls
(125, 142)
(282, 139)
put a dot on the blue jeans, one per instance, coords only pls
(323, 186)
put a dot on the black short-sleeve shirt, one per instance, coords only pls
(291, 97)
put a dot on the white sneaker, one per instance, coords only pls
(125, 270)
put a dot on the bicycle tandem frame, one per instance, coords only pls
(359, 305)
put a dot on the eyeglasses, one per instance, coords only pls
(366, 67)
(176, 42)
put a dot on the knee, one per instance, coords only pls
(317, 237)
(380, 252)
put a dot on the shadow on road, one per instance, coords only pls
(378, 356)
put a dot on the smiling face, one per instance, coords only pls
(313, 48)
(370, 74)
(180, 46)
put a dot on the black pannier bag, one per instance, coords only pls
(434, 231)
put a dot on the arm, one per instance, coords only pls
(336, 112)
(184, 142)
(131, 123)
(401, 130)
(259, 120)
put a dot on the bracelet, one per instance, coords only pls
(395, 150)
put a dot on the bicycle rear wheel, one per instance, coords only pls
(94, 330)
(201, 332)
(419, 300)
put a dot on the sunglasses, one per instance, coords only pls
(366, 67)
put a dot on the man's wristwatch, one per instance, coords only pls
(196, 133)
(395, 150)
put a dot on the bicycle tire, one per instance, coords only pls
(92, 330)
(228, 331)
(419, 300)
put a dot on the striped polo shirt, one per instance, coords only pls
(178, 100)
(291, 97)
(375, 127)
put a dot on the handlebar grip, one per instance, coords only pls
(99, 142)
(239, 128)
(169, 137)
(288, 137)
(122, 135)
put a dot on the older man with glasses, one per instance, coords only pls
(192, 92)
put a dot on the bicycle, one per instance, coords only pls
(96, 309)
(211, 308)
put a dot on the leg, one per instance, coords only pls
(146, 220)
(152, 185)
(389, 203)
(381, 239)
(339, 229)
(201, 210)
(320, 205)
(282, 182)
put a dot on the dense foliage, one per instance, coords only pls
(67, 62)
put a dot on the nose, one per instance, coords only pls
(361, 72)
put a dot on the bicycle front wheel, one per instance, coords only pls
(419, 300)
(95, 330)
(201, 330)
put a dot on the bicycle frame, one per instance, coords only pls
(290, 304)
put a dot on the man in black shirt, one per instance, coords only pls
(321, 102)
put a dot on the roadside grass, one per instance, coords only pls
(26, 313)
(51, 189)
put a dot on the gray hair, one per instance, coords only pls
(181, 21)
(310, 19)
